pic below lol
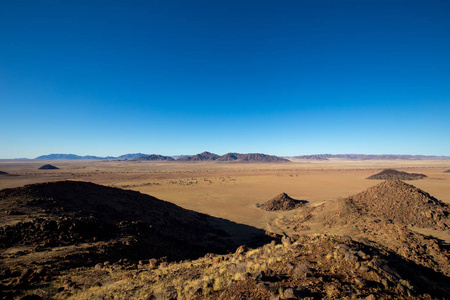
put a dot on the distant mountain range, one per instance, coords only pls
(238, 157)
(369, 157)
(155, 157)
(204, 156)
(233, 157)
(75, 157)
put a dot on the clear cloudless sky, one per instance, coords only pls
(181, 77)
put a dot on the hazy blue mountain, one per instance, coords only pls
(155, 157)
(132, 156)
(66, 157)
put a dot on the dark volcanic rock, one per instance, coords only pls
(3, 173)
(281, 202)
(391, 174)
(48, 167)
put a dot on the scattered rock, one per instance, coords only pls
(240, 250)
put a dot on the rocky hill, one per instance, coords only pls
(281, 202)
(382, 214)
(155, 157)
(354, 247)
(3, 173)
(113, 223)
(391, 174)
(403, 204)
(204, 156)
(250, 157)
(48, 167)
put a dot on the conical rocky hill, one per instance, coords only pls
(402, 203)
(391, 174)
(281, 202)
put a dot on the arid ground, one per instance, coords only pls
(362, 249)
(231, 191)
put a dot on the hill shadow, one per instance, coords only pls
(117, 224)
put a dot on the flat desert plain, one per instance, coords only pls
(231, 191)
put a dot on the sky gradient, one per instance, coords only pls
(181, 77)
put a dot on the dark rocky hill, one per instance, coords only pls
(155, 157)
(281, 202)
(391, 174)
(3, 173)
(250, 157)
(48, 167)
(204, 156)
(114, 223)
(403, 204)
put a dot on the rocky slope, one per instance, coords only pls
(113, 223)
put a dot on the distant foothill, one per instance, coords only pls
(48, 167)
(391, 174)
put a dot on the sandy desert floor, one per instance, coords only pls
(231, 191)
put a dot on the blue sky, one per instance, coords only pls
(181, 77)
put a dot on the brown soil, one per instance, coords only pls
(281, 202)
(391, 174)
